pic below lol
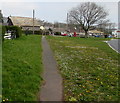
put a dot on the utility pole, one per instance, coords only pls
(67, 21)
(118, 33)
(119, 15)
(33, 20)
(59, 26)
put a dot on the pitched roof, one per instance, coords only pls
(24, 21)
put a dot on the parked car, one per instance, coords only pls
(64, 34)
(96, 35)
(70, 35)
(7, 36)
(110, 36)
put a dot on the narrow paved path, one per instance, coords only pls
(52, 89)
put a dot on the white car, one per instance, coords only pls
(7, 36)
(70, 34)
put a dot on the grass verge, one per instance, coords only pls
(89, 68)
(22, 66)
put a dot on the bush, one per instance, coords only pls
(17, 30)
(57, 33)
(31, 32)
(39, 32)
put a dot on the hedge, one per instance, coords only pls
(40, 32)
(57, 33)
(16, 30)
(31, 32)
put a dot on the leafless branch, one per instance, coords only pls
(87, 14)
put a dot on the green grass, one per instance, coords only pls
(89, 68)
(22, 66)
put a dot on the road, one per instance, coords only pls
(115, 44)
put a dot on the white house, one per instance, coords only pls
(116, 33)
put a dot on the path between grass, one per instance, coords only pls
(52, 89)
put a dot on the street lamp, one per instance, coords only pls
(33, 20)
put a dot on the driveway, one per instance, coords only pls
(115, 44)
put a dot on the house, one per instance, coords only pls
(116, 33)
(24, 22)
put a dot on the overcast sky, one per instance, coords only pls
(53, 10)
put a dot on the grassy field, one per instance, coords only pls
(89, 68)
(22, 66)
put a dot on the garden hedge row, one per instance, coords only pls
(39, 32)
(17, 30)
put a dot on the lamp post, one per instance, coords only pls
(67, 21)
(33, 20)
(119, 19)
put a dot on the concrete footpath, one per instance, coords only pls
(52, 88)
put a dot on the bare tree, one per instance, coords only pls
(86, 15)
(102, 25)
(106, 26)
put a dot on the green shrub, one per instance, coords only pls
(39, 32)
(57, 33)
(16, 29)
(31, 32)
